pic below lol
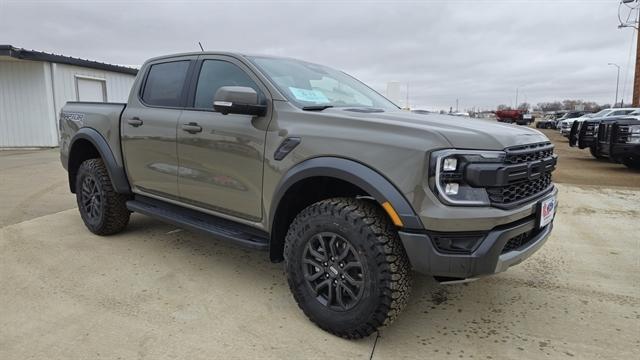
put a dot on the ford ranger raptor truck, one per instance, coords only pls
(317, 169)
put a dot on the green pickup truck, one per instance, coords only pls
(313, 166)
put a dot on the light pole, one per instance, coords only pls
(617, 82)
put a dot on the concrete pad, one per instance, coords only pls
(157, 292)
(578, 297)
(150, 292)
(33, 183)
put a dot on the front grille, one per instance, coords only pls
(526, 153)
(622, 135)
(518, 191)
(517, 242)
(603, 132)
(532, 177)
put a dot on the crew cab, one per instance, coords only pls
(319, 170)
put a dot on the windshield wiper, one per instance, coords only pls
(316, 107)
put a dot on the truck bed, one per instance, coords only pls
(98, 116)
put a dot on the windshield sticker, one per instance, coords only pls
(308, 95)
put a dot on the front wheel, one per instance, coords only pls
(103, 210)
(346, 266)
(594, 152)
(632, 163)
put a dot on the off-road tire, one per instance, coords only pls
(111, 214)
(386, 270)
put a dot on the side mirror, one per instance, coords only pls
(238, 100)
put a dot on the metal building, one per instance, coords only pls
(35, 85)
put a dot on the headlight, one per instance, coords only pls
(634, 134)
(446, 176)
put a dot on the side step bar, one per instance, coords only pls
(208, 224)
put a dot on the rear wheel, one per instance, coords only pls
(346, 267)
(103, 210)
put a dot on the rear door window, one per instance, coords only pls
(621, 112)
(216, 74)
(165, 84)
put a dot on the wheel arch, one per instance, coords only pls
(86, 144)
(351, 176)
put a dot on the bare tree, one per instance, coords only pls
(550, 106)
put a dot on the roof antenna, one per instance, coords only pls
(202, 49)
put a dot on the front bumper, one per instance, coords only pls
(625, 151)
(488, 258)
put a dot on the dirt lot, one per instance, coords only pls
(156, 292)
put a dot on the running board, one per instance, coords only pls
(194, 220)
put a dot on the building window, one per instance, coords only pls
(91, 89)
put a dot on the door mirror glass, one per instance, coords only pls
(238, 100)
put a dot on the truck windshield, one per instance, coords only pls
(310, 85)
(601, 113)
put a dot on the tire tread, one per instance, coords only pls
(392, 261)
(117, 215)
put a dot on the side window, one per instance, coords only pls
(216, 74)
(165, 83)
(620, 112)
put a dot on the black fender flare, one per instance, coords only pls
(369, 180)
(116, 172)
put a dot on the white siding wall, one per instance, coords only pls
(26, 107)
(29, 110)
(118, 85)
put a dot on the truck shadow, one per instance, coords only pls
(488, 310)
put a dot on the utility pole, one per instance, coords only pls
(636, 77)
(618, 82)
(632, 22)
(457, 106)
(516, 106)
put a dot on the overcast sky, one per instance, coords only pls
(477, 51)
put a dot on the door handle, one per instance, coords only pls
(192, 127)
(134, 121)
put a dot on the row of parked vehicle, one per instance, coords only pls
(552, 120)
(613, 134)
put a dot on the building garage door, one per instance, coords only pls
(91, 89)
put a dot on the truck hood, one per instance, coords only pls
(460, 132)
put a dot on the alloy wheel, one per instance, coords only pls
(333, 271)
(91, 198)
